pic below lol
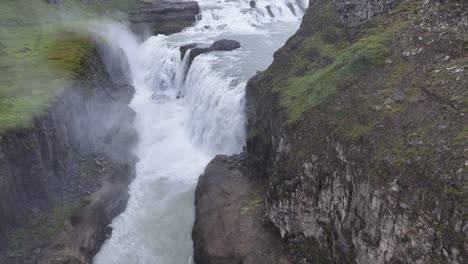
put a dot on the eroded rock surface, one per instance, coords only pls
(228, 227)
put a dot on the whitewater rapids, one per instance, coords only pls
(179, 135)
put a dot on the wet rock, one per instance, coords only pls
(196, 50)
(185, 48)
(164, 17)
(270, 12)
(292, 8)
(225, 45)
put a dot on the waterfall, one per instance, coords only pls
(178, 135)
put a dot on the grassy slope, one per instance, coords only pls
(41, 51)
(336, 56)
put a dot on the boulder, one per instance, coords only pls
(164, 17)
(228, 225)
(225, 45)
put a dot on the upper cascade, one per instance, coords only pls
(246, 15)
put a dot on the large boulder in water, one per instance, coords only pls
(164, 17)
(220, 45)
(225, 45)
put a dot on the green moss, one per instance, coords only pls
(42, 49)
(88, 172)
(253, 134)
(332, 62)
(312, 249)
(251, 205)
(43, 225)
(314, 88)
(349, 256)
(358, 130)
(456, 193)
(462, 137)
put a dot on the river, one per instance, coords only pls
(179, 135)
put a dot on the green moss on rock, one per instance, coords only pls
(41, 226)
(333, 58)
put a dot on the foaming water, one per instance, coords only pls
(179, 135)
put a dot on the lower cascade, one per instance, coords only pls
(185, 116)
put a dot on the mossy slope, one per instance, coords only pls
(42, 49)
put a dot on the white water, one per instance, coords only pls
(178, 137)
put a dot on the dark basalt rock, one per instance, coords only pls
(268, 8)
(196, 50)
(291, 7)
(225, 45)
(164, 17)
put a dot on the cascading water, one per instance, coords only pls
(179, 135)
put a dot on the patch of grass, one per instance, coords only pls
(42, 49)
(251, 205)
(348, 65)
(462, 137)
(356, 131)
(43, 225)
(335, 62)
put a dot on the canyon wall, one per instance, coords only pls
(359, 128)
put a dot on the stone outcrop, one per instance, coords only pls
(228, 227)
(164, 17)
(219, 45)
(69, 171)
(359, 129)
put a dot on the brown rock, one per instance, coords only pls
(228, 226)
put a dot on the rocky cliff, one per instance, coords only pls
(359, 130)
(164, 17)
(49, 170)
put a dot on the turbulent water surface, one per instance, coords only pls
(178, 135)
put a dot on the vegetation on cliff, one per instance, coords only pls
(358, 110)
(41, 50)
(42, 225)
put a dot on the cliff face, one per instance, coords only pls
(48, 170)
(164, 17)
(359, 127)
